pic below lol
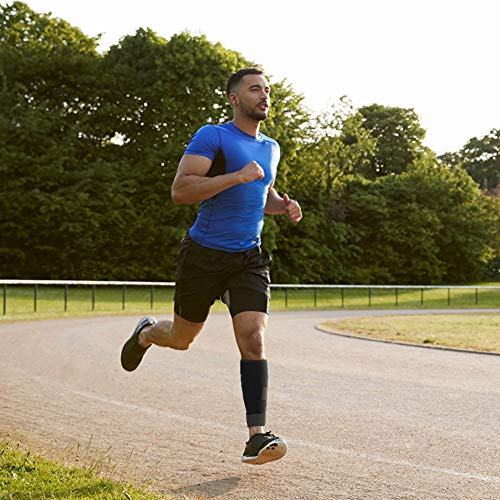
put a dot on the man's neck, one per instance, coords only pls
(247, 125)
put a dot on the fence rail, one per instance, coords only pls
(292, 295)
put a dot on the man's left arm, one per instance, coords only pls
(275, 204)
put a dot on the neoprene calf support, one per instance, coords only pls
(254, 385)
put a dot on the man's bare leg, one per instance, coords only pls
(249, 328)
(262, 447)
(177, 334)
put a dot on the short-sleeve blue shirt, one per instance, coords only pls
(233, 219)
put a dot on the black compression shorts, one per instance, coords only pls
(240, 279)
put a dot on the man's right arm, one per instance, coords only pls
(192, 186)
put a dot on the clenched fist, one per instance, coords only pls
(250, 172)
(292, 209)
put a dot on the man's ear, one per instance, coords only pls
(233, 98)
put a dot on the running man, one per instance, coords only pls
(229, 168)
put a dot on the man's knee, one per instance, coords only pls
(254, 344)
(181, 343)
(249, 328)
(182, 338)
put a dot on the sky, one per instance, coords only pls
(439, 57)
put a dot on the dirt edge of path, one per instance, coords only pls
(322, 327)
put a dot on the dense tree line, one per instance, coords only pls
(90, 142)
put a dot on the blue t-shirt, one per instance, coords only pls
(233, 219)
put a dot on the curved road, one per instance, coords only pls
(362, 419)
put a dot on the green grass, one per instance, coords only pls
(24, 476)
(82, 301)
(49, 301)
(477, 332)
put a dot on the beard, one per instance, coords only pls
(255, 113)
(258, 115)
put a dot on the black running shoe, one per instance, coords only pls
(263, 448)
(132, 351)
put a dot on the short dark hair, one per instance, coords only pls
(235, 79)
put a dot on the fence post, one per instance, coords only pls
(421, 296)
(286, 297)
(369, 297)
(35, 297)
(397, 296)
(65, 298)
(315, 299)
(123, 297)
(4, 299)
(93, 297)
(152, 296)
(342, 296)
(477, 297)
(449, 297)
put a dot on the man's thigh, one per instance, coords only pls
(198, 282)
(183, 328)
(241, 299)
(248, 290)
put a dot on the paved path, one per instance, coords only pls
(363, 419)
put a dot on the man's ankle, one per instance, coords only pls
(255, 430)
(142, 338)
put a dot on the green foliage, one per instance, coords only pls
(428, 225)
(23, 475)
(398, 137)
(316, 250)
(56, 191)
(90, 143)
(480, 158)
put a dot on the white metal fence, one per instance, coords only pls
(287, 289)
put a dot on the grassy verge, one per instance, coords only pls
(476, 332)
(24, 476)
(26, 302)
(365, 298)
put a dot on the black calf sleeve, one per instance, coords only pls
(254, 385)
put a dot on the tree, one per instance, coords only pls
(398, 137)
(56, 193)
(90, 144)
(316, 251)
(480, 158)
(427, 225)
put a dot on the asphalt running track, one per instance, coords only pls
(362, 419)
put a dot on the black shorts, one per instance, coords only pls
(240, 279)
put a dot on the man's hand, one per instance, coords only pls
(250, 172)
(292, 209)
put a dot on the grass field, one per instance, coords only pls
(29, 302)
(24, 476)
(477, 332)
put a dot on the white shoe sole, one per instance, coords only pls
(274, 450)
